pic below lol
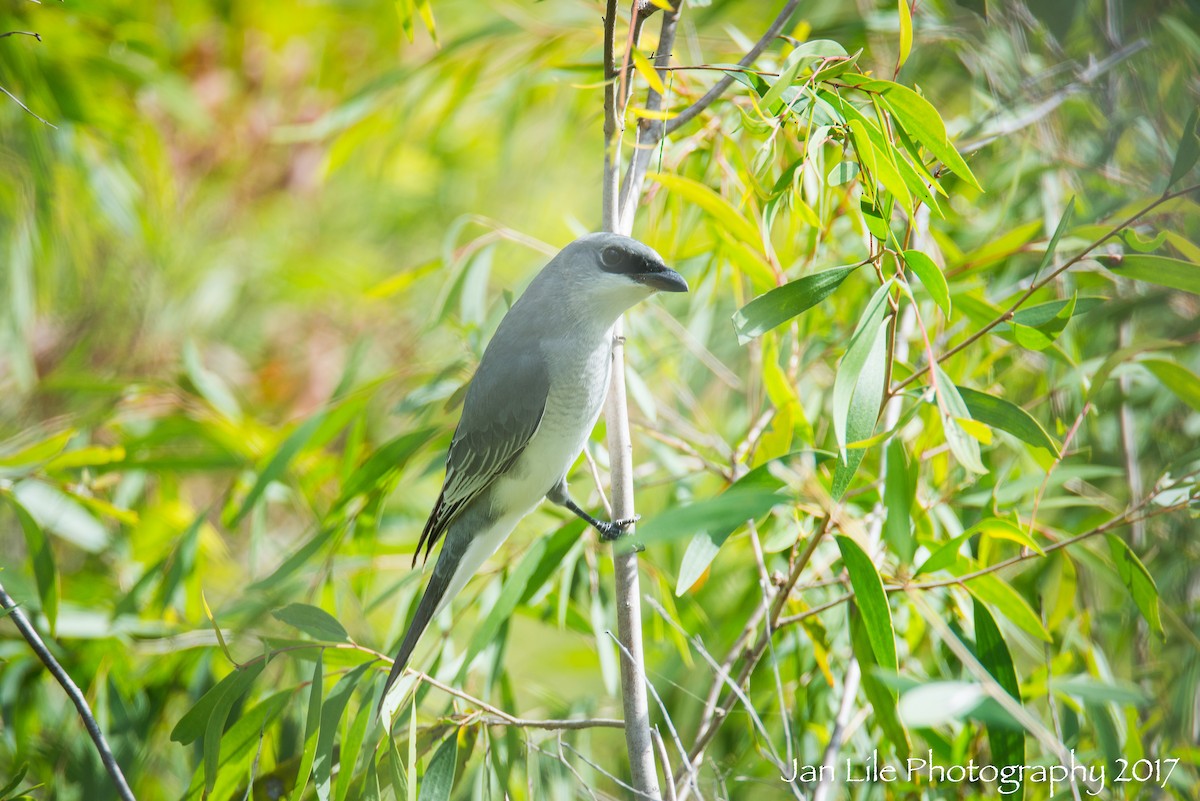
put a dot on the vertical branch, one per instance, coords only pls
(638, 739)
(73, 692)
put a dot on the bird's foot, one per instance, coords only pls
(610, 531)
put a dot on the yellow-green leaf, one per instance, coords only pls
(713, 204)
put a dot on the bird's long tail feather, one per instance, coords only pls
(439, 582)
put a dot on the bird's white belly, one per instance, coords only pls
(570, 415)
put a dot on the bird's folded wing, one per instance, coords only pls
(501, 413)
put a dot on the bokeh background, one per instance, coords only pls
(249, 245)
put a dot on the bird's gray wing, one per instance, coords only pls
(501, 413)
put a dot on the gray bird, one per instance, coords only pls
(530, 408)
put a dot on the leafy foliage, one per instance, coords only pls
(248, 273)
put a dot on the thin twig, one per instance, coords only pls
(1011, 310)
(73, 692)
(718, 89)
(505, 719)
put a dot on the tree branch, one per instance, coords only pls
(638, 739)
(73, 692)
(718, 89)
(1008, 313)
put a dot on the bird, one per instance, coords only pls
(529, 410)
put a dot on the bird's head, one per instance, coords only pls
(615, 272)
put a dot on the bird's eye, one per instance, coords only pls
(611, 257)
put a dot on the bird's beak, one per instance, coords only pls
(664, 280)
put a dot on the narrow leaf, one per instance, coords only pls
(41, 554)
(1063, 223)
(192, 725)
(872, 601)
(1138, 581)
(864, 411)
(716, 206)
(783, 303)
(1007, 416)
(1181, 381)
(647, 71)
(964, 447)
(931, 277)
(881, 696)
(331, 717)
(906, 33)
(1008, 745)
(313, 621)
(438, 780)
(278, 464)
(1001, 597)
(727, 509)
(1158, 270)
(312, 727)
(851, 367)
(898, 493)
(1188, 151)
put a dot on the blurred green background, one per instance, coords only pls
(255, 243)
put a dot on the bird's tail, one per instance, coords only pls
(439, 582)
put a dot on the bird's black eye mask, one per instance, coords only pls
(614, 259)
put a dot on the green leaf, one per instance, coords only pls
(1008, 745)
(871, 600)
(438, 780)
(237, 746)
(45, 570)
(940, 702)
(352, 747)
(1001, 597)
(312, 727)
(210, 385)
(383, 467)
(39, 452)
(1181, 381)
(783, 303)
(1007, 416)
(502, 609)
(864, 411)
(192, 725)
(918, 116)
(786, 77)
(931, 277)
(61, 513)
(706, 543)
(906, 33)
(1189, 148)
(279, 464)
(899, 490)
(1138, 581)
(1063, 223)
(881, 696)
(953, 409)
(1043, 336)
(713, 204)
(727, 509)
(331, 717)
(313, 621)
(1047, 313)
(850, 370)
(945, 556)
(1158, 270)
(843, 173)
(214, 727)
(14, 781)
